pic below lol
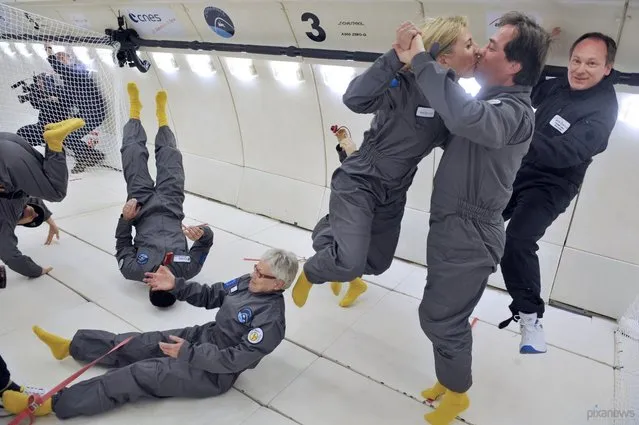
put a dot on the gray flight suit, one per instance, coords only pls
(11, 210)
(247, 328)
(22, 168)
(158, 225)
(368, 191)
(490, 134)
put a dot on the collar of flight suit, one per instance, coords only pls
(605, 84)
(242, 284)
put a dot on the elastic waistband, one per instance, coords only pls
(390, 168)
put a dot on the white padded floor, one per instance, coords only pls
(366, 364)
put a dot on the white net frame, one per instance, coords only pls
(626, 410)
(56, 88)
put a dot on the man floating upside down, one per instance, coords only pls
(156, 210)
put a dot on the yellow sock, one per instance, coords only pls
(53, 125)
(336, 287)
(449, 408)
(58, 345)
(15, 402)
(301, 289)
(134, 100)
(434, 392)
(356, 287)
(59, 131)
(160, 111)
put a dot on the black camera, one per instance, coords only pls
(127, 54)
(26, 89)
(31, 92)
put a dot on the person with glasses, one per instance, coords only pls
(200, 361)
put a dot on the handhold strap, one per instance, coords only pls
(36, 400)
(506, 322)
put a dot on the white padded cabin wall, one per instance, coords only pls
(266, 147)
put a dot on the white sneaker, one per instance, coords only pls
(23, 389)
(33, 390)
(532, 334)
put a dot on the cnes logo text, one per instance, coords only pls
(145, 17)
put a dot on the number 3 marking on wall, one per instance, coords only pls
(315, 25)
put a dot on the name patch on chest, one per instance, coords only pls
(424, 112)
(560, 124)
(181, 259)
(230, 284)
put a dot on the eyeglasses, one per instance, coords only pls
(262, 275)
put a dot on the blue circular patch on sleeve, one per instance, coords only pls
(142, 259)
(245, 315)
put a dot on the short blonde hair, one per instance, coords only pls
(443, 30)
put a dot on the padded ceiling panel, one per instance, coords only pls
(48, 11)
(158, 21)
(94, 18)
(574, 19)
(242, 23)
(349, 26)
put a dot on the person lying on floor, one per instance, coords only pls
(200, 361)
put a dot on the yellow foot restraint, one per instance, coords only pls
(15, 402)
(356, 287)
(55, 133)
(449, 408)
(160, 109)
(134, 101)
(434, 392)
(58, 345)
(301, 289)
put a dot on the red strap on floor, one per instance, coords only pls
(37, 400)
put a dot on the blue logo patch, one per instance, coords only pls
(142, 259)
(245, 315)
(219, 22)
(230, 283)
(394, 83)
